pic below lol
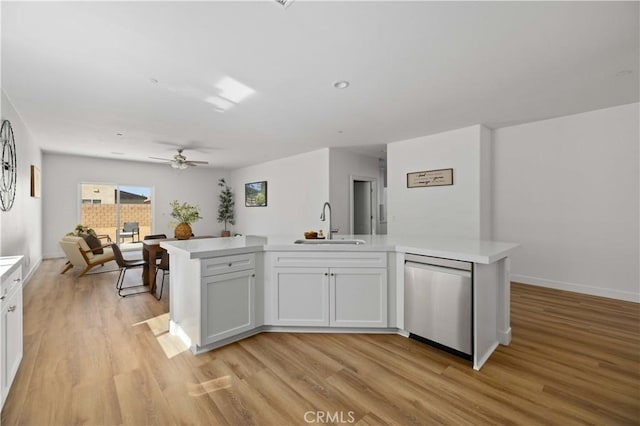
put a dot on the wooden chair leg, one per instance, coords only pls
(86, 270)
(66, 268)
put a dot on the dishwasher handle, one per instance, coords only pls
(434, 268)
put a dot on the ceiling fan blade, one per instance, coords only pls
(197, 162)
(163, 159)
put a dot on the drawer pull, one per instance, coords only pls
(17, 280)
(12, 308)
(3, 297)
(230, 264)
(326, 274)
(253, 275)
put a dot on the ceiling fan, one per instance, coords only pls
(179, 161)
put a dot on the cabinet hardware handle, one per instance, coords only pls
(332, 274)
(12, 308)
(17, 280)
(325, 274)
(3, 297)
(230, 265)
(253, 275)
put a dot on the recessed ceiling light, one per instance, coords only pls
(342, 84)
(153, 80)
(118, 134)
(624, 72)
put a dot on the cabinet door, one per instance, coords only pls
(358, 297)
(227, 305)
(11, 339)
(301, 296)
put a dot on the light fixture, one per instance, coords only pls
(118, 134)
(342, 84)
(284, 3)
(179, 165)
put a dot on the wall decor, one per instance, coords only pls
(255, 194)
(438, 177)
(35, 182)
(9, 167)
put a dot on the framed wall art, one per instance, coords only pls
(35, 182)
(255, 194)
(440, 177)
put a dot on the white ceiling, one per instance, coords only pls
(79, 72)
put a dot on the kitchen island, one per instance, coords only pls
(226, 289)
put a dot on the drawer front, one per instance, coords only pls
(11, 282)
(330, 259)
(226, 264)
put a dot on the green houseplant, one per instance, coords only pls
(225, 208)
(183, 216)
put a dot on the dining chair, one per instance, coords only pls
(125, 265)
(164, 267)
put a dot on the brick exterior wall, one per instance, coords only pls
(102, 217)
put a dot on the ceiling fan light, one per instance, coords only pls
(183, 166)
(175, 165)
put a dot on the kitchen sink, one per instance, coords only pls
(352, 242)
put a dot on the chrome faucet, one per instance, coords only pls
(322, 217)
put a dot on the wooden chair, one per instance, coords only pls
(80, 255)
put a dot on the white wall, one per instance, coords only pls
(297, 188)
(342, 165)
(63, 173)
(567, 189)
(21, 227)
(457, 210)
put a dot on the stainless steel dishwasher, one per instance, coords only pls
(438, 303)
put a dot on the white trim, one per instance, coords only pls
(30, 274)
(577, 288)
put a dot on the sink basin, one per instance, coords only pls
(352, 242)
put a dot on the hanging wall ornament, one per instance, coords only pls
(9, 167)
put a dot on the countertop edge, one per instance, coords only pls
(391, 248)
(17, 262)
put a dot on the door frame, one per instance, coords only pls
(374, 200)
(117, 186)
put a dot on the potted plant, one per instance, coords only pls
(225, 208)
(183, 216)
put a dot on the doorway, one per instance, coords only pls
(363, 201)
(107, 207)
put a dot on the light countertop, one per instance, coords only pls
(478, 251)
(8, 264)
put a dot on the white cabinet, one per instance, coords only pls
(10, 322)
(11, 339)
(301, 296)
(212, 299)
(317, 289)
(358, 297)
(227, 305)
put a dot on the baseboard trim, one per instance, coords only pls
(31, 272)
(577, 288)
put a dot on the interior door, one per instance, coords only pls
(362, 210)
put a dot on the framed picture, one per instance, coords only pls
(35, 182)
(255, 194)
(438, 177)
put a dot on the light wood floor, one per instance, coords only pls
(574, 359)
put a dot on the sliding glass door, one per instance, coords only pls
(123, 212)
